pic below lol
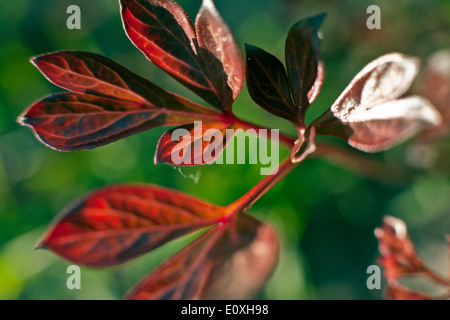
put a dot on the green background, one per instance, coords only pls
(325, 213)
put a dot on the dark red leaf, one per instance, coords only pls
(367, 113)
(119, 223)
(73, 121)
(268, 84)
(194, 144)
(214, 35)
(306, 73)
(224, 263)
(164, 33)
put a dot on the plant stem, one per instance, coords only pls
(360, 163)
(284, 139)
(246, 201)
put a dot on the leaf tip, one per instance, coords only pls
(40, 245)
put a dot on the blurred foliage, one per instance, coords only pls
(325, 214)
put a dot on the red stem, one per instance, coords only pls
(246, 201)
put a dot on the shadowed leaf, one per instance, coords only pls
(224, 263)
(306, 73)
(268, 84)
(119, 223)
(194, 144)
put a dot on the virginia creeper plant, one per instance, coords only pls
(106, 102)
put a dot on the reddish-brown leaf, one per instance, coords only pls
(367, 113)
(214, 35)
(224, 263)
(164, 33)
(119, 223)
(306, 73)
(74, 121)
(194, 144)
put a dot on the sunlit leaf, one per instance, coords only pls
(367, 113)
(119, 223)
(224, 263)
(268, 84)
(194, 144)
(306, 73)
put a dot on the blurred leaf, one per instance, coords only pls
(224, 263)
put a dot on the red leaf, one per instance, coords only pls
(367, 114)
(194, 144)
(268, 84)
(306, 73)
(224, 263)
(72, 121)
(164, 33)
(213, 34)
(116, 224)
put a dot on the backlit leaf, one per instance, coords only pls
(119, 223)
